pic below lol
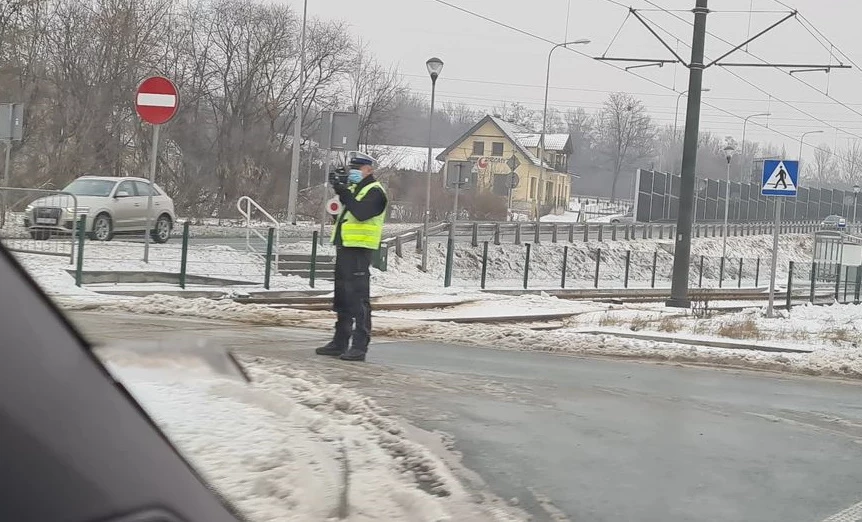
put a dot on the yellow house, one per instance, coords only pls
(494, 145)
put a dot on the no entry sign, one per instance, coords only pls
(157, 100)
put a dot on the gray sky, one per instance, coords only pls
(486, 64)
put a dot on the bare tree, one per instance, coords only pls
(850, 163)
(624, 134)
(374, 94)
(823, 168)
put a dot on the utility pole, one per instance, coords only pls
(682, 250)
(682, 253)
(293, 185)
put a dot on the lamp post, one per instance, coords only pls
(435, 66)
(728, 154)
(856, 189)
(799, 157)
(676, 112)
(581, 41)
(742, 147)
(293, 186)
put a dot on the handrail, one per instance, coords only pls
(250, 206)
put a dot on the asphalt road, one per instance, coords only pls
(603, 440)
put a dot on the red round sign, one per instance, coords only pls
(333, 206)
(482, 163)
(157, 100)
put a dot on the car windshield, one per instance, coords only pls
(90, 187)
(493, 288)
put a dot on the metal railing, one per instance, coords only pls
(246, 207)
(39, 221)
(515, 232)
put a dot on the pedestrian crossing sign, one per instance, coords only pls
(780, 178)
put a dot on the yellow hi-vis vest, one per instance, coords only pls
(362, 234)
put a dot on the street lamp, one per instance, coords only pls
(855, 202)
(676, 112)
(742, 147)
(581, 41)
(435, 66)
(728, 154)
(293, 185)
(799, 157)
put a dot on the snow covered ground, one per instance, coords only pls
(290, 446)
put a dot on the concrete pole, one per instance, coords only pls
(682, 253)
(293, 186)
(726, 211)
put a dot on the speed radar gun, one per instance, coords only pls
(341, 176)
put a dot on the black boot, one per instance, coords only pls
(353, 354)
(338, 344)
(331, 349)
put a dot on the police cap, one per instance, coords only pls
(358, 159)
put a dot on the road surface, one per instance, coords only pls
(603, 440)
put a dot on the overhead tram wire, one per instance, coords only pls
(751, 84)
(796, 78)
(622, 69)
(609, 91)
(789, 104)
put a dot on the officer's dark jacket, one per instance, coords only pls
(372, 204)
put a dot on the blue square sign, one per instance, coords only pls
(780, 178)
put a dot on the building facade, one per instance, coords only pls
(494, 146)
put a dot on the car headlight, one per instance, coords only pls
(81, 210)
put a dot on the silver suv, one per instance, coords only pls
(112, 206)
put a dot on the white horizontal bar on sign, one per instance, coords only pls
(157, 100)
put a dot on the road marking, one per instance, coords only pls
(851, 514)
(157, 100)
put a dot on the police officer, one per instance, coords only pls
(356, 236)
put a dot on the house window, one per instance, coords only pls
(478, 148)
(497, 149)
(533, 185)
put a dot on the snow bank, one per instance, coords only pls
(831, 332)
(292, 447)
(52, 272)
(506, 263)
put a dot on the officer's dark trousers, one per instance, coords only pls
(352, 297)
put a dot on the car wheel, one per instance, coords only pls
(103, 228)
(162, 232)
(40, 235)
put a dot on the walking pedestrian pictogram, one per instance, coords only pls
(780, 178)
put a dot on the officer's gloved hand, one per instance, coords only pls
(340, 188)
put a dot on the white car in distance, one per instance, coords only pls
(112, 206)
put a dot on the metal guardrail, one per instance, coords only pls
(39, 221)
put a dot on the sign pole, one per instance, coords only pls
(156, 102)
(786, 174)
(7, 163)
(323, 212)
(457, 193)
(153, 159)
(770, 307)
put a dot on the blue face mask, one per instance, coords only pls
(355, 176)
